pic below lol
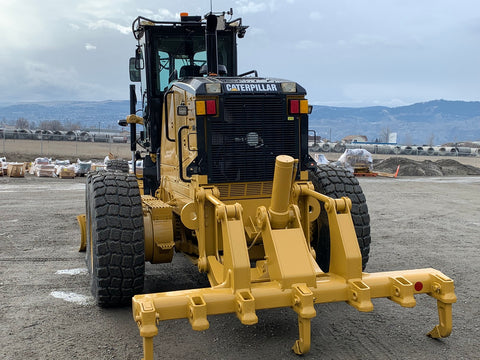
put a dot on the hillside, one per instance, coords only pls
(438, 122)
(87, 113)
(435, 122)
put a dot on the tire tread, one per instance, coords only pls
(116, 228)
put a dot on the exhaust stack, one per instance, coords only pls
(211, 44)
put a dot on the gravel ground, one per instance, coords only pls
(48, 313)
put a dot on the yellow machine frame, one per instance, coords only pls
(288, 276)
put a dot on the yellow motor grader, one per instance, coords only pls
(228, 181)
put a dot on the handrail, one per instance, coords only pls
(250, 72)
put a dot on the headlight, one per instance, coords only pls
(289, 87)
(213, 88)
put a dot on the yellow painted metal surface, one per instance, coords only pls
(158, 227)
(328, 288)
(83, 232)
(140, 186)
(287, 275)
(134, 119)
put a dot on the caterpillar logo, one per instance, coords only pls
(258, 87)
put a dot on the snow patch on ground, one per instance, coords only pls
(78, 271)
(73, 297)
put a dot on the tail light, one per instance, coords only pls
(298, 106)
(211, 106)
(206, 107)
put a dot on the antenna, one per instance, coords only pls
(211, 6)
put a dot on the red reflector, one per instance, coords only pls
(294, 106)
(418, 286)
(211, 107)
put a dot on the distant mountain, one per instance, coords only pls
(87, 113)
(436, 122)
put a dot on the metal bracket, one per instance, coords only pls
(359, 296)
(245, 307)
(302, 304)
(345, 255)
(197, 313)
(442, 289)
(402, 291)
(146, 318)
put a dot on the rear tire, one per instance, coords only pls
(117, 164)
(115, 237)
(337, 182)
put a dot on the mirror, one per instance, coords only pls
(134, 70)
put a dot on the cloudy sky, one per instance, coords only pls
(344, 52)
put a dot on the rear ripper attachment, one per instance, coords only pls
(289, 275)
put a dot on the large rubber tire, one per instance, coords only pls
(117, 164)
(337, 182)
(115, 237)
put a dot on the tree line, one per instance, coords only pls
(52, 125)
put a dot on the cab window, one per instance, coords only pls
(182, 55)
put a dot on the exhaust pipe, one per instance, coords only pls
(211, 44)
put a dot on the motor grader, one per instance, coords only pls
(228, 181)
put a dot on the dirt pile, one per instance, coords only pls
(408, 167)
(474, 145)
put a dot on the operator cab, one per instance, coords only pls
(238, 118)
(169, 51)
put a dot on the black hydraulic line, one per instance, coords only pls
(166, 115)
(157, 164)
(133, 126)
(179, 137)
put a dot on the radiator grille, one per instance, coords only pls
(241, 190)
(244, 143)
